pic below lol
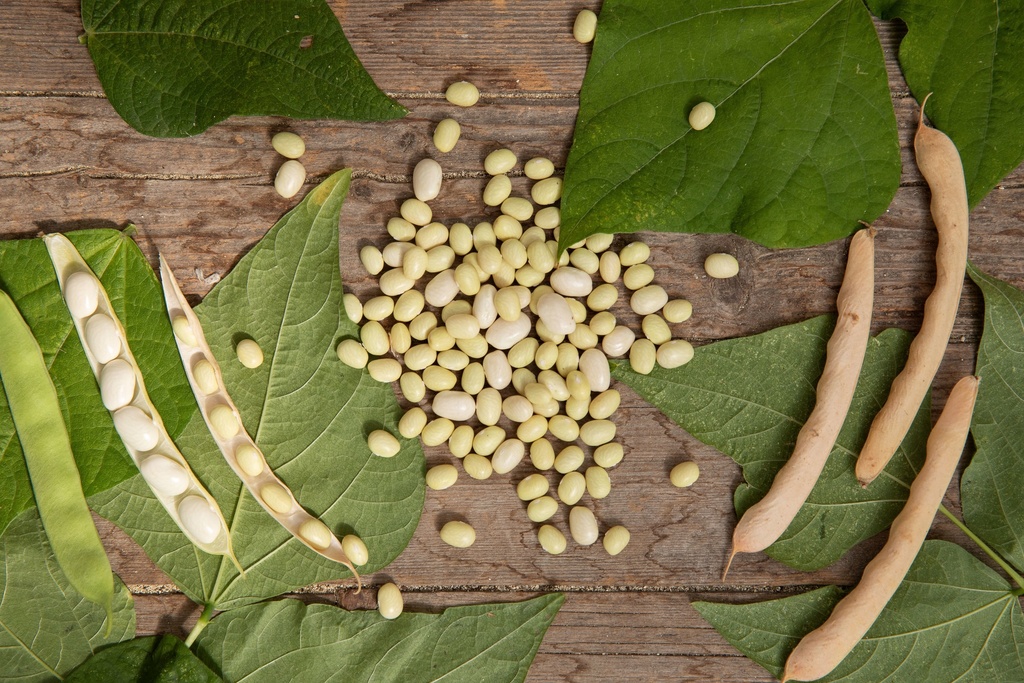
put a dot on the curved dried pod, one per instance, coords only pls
(135, 417)
(225, 424)
(939, 163)
(764, 522)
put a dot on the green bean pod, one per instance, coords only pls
(238, 448)
(136, 419)
(56, 483)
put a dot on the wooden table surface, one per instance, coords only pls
(67, 161)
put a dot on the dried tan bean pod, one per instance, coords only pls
(186, 490)
(266, 487)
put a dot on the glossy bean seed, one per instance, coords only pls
(569, 459)
(608, 455)
(594, 364)
(102, 337)
(453, 359)
(656, 329)
(568, 359)
(538, 168)
(290, 178)
(250, 460)
(437, 431)
(316, 533)
(419, 357)
(532, 487)
(355, 549)
(384, 369)
(415, 211)
(353, 307)
(477, 466)
(509, 454)
(585, 26)
(458, 534)
(551, 539)
(375, 338)
(488, 439)
(674, 353)
(462, 94)
(497, 190)
(504, 334)
(721, 266)
(610, 267)
(542, 509)
(441, 477)
(389, 601)
(583, 525)
(183, 329)
(400, 229)
(395, 282)
(576, 407)
(446, 135)
(638, 276)
(604, 404)
(460, 443)
(677, 310)
(82, 294)
(569, 281)
(532, 429)
(564, 428)
(288, 144)
(437, 378)
(454, 405)
(117, 384)
(701, 116)
(642, 356)
(597, 432)
(542, 454)
(546, 192)
(198, 518)
(615, 540)
(578, 384)
(136, 428)
(412, 386)
(684, 474)
(276, 497)
(571, 488)
(412, 422)
(548, 218)
(599, 484)
(647, 300)
(426, 179)
(165, 475)
(372, 259)
(249, 353)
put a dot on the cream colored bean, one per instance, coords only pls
(353, 307)
(250, 460)
(548, 218)
(355, 550)
(441, 289)
(372, 259)
(677, 310)
(504, 334)
(288, 144)
(462, 94)
(223, 421)
(585, 27)
(164, 474)
(599, 242)
(642, 356)
(537, 394)
(350, 352)
(603, 323)
(532, 429)
(408, 306)
(647, 300)
(488, 406)
(431, 235)
(290, 178)
(389, 601)
(394, 282)
(618, 341)
(535, 296)
(571, 488)
(446, 135)
(674, 353)
(453, 359)
(546, 192)
(419, 357)
(415, 211)
(426, 180)
(473, 378)
(441, 477)
(117, 383)
(488, 439)
(276, 497)
(205, 376)
(551, 539)
(509, 454)
(412, 387)
(701, 116)
(378, 308)
(455, 405)
(634, 253)
(102, 338)
(199, 518)
(412, 422)
(547, 355)
(656, 329)
(583, 525)
(181, 326)
(484, 309)
(568, 359)
(460, 443)
(439, 379)
(569, 281)
(384, 369)
(400, 229)
(684, 474)
(477, 466)
(576, 407)
(599, 484)
(585, 260)
(538, 168)
(604, 404)
(638, 276)
(597, 432)
(602, 297)
(615, 540)
(506, 303)
(440, 340)
(518, 208)
(460, 238)
(497, 369)
(505, 276)
(394, 253)
(540, 258)
(383, 443)
(533, 234)
(437, 431)
(555, 384)
(608, 455)
(549, 409)
(523, 353)
(583, 338)
(579, 310)
(555, 313)
(569, 459)
(542, 454)
(564, 428)
(474, 347)
(439, 258)
(497, 190)
(507, 227)
(546, 335)
(532, 487)
(414, 264)
(463, 326)
(483, 233)
(500, 161)
(521, 377)
(721, 266)
(594, 364)
(578, 384)
(458, 307)
(458, 534)
(610, 267)
(422, 325)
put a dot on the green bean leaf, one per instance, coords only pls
(969, 55)
(951, 619)
(289, 640)
(309, 413)
(173, 68)
(991, 484)
(750, 397)
(803, 144)
(156, 659)
(46, 627)
(27, 275)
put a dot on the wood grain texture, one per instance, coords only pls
(68, 162)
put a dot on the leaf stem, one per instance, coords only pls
(204, 619)
(1011, 572)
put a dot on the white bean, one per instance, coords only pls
(647, 300)
(136, 428)
(289, 178)
(585, 26)
(82, 294)
(509, 454)
(455, 405)
(500, 161)
(569, 281)
(674, 353)
(721, 266)
(288, 145)
(702, 115)
(390, 603)
(102, 338)
(117, 384)
(426, 180)
(504, 334)
(554, 311)
(165, 474)
(583, 525)
(594, 364)
(249, 353)
(441, 289)
(199, 519)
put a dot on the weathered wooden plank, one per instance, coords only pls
(507, 48)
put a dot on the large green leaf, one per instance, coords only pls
(46, 627)
(804, 141)
(176, 67)
(156, 659)
(27, 275)
(992, 484)
(749, 398)
(309, 413)
(952, 619)
(289, 640)
(970, 56)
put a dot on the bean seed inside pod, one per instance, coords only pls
(199, 519)
(102, 338)
(249, 460)
(223, 421)
(81, 293)
(164, 474)
(117, 384)
(316, 533)
(276, 497)
(205, 376)
(136, 428)
(183, 330)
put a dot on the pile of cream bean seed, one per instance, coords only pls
(502, 343)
